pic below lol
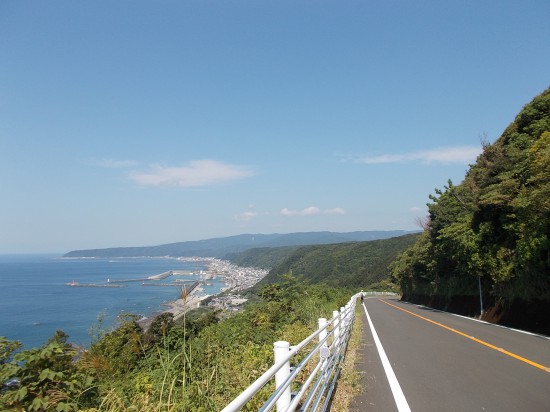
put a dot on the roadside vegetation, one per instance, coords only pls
(491, 232)
(196, 364)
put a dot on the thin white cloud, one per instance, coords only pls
(198, 173)
(250, 214)
(312, 211)
(335, 211)
(444, 155)
(308, 211)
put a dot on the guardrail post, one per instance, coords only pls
(280, 349)
(322, 324)
(323, 351)
(336, 327)
(346, 318)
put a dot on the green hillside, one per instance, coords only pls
(352, 264)
(265, 258)
(493, 228)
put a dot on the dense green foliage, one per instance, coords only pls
(265, 258)
(352, 264)
(198, 364)
(494, 226)
(48, 379)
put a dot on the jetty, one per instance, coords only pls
(160, 276)
(153, 280)
(93, 285)
(184, 284)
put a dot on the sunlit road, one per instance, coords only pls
(442, 362)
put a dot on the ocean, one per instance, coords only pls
(35, 300)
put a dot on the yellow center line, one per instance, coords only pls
(513, 355)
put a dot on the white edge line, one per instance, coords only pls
(399, 397)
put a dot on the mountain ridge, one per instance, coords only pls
(220, 247)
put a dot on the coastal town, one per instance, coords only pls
(236, 278)
(192, 292)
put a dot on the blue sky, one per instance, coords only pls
(129, 123)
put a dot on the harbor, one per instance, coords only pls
(150, 280)
(74, 309)
(83, 287)
(191, 286)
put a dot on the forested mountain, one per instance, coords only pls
(494, 227)
(265, 257)
(352, 264)
(220, 247)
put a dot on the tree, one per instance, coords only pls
(47, 378)
(494, 226)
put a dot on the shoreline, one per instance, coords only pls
(236, 278)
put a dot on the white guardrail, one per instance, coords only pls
(312, 391)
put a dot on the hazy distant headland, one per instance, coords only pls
(221, 247)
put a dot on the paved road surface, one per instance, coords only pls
(443, 362)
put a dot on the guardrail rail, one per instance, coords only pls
(309, 384)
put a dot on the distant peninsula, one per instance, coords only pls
(224, 246)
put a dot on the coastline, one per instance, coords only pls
(37, 281)
(236, 278)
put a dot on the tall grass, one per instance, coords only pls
(192, 370)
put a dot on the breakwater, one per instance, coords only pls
(184, 284)
(160, 276)
(153, 280)
(93, 285)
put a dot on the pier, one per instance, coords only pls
(153, 280)
(93, 285)
(160, 276)
(180, 283)
(126, 280)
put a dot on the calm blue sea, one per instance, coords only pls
(35, 300)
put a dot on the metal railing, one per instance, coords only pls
(308, 385)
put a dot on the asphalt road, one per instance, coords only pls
(443, 362)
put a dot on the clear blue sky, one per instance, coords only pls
(129, 123)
